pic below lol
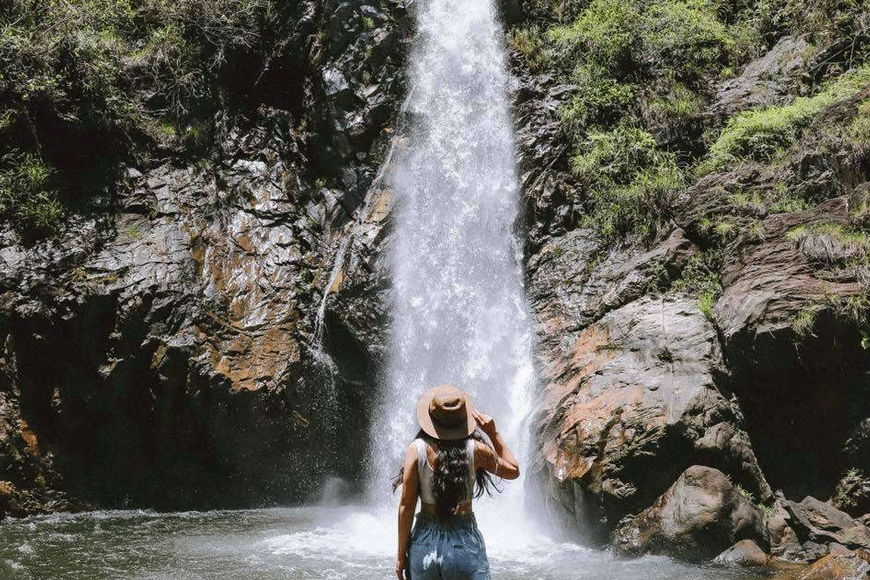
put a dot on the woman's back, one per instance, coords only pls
(427, 456)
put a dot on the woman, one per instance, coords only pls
(441, 467)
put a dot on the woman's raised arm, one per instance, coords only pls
(498, 461)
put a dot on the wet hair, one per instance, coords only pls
(450, 477)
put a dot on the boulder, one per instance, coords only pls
(697, 518)
(852, 566)
(821, 523)
(784, 542)
(744, 553)
(631, 403)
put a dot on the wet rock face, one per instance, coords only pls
(629, 404)
(358, 69)
(166, 368)
(698, 517)
(167, 355)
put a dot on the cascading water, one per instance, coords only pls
(459, 313)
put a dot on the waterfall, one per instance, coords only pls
(459, 313)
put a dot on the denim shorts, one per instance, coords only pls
(450, 549)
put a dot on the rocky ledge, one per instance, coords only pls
(703, 380)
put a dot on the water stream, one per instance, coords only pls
(459, 313)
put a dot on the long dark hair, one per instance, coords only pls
(450, 477)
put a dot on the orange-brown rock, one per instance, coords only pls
(853, 566)
(632, 403)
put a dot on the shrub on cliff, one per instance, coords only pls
(629, 181)
(640, 69)
(647, 44)
(28, 195)
(86, 84)
(840, 22)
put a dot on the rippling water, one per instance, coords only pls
(298, 543)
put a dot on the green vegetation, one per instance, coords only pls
(803, 322)
(749, 201)
(835, 244)
(599, 100)
(630, 182)
(747, 495)
(28, 195)
(780, 200)
(680, 105)
(843, 234)
(637, 67)
(85, 85)
(622, 49)
(634, 39)
(531, 43)
(644, 74)
(700, 278)
(858, 130)
(706, 301)
(761, 135)
(823, 21)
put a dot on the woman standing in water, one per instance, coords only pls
(457, 447)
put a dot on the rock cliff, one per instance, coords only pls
(169, 351)
(696, 257)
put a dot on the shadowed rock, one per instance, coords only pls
(784, 542)
(822, 523)
(698, 517)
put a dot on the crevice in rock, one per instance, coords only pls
(801, 397)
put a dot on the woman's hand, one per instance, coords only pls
(487, 423)
(401, 563)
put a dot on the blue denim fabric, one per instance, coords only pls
(451, 549)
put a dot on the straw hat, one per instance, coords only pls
(445, 412)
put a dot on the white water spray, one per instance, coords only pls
(459, 314)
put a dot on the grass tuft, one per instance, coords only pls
(28, 195)
(761, 135)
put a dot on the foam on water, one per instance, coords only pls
(355, 542)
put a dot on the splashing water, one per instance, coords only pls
(277, 544)
(459, 313)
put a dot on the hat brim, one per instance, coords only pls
(459, 431)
